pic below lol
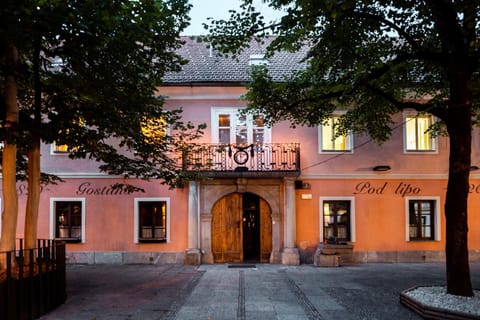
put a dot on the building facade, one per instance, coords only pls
(265, 194)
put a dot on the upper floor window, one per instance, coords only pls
(337, 219)
(417, 137)
(423, 219)
(330, 140)
(59, 148)
(231, 127)
(151, 220)
(68, 219)
(154, 130)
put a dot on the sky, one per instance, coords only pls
(218, 9)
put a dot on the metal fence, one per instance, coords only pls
(239, 158)
(32, 282)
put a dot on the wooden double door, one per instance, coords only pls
(241, 229)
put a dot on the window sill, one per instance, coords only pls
(69, 240)
(335, 151)
(152, 240)
(420, 151)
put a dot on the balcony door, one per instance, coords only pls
(229, 126)
(241, 229)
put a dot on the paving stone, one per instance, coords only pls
(216, 292)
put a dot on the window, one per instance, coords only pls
(231, 127)
(152, 217)
(417, 137)
(337, 220)
(422, 219)
(329, 141)
(68, 219)
(59, 148)
(154, 130)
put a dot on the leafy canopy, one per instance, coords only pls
(374, 58)
(89, 70)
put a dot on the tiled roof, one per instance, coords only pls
(205, 66)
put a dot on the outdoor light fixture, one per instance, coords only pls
(381, 168)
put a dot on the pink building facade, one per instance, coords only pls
(272, 195)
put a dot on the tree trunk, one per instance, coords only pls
(9, 159)
(33, 198)
(458, 269)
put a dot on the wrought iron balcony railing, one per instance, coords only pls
(273, 157)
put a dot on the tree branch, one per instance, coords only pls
(400, 31)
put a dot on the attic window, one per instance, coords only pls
(257, 60)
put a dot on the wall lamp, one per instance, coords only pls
(381, 168)
(300, 185)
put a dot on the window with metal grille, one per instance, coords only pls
(68, 220)
(421, 219)
(152, 221)
(336, 221)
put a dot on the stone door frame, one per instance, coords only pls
(212, 191)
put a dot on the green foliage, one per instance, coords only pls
(375, 58)
(87, 77)
(372, 58)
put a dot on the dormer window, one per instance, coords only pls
(258, 60)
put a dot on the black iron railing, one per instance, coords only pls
(273, 157)
(32, 282)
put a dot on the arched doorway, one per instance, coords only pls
(241, 229)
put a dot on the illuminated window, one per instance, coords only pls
(154, 130)
(68, 219)
(330, 140)
(60, 148)
(417, 137)
(231, 127)
(151, 220)
(57, 148)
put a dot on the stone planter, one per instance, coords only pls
(333, 255)
(430, 312)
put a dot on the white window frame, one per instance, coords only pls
(349, 138)
(53, 218)
(136, 219)
(417, 151)
(57, 153)
(233, 112)
(352, 216)
(437, 218)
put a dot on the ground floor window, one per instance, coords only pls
(337, 220)
(422, 219)
(68, 219)
(152, 217)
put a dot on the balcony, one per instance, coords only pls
(256, 161)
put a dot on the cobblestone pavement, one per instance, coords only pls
(262, 291)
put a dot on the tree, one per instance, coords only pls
(375, 59)
(83, 74)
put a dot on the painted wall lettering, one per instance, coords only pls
(402, 188)
(474, 188)
(406, 189)
(87, 189)
(367, 188)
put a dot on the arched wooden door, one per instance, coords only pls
(226, 229)
(232, 235)
(265, 231)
